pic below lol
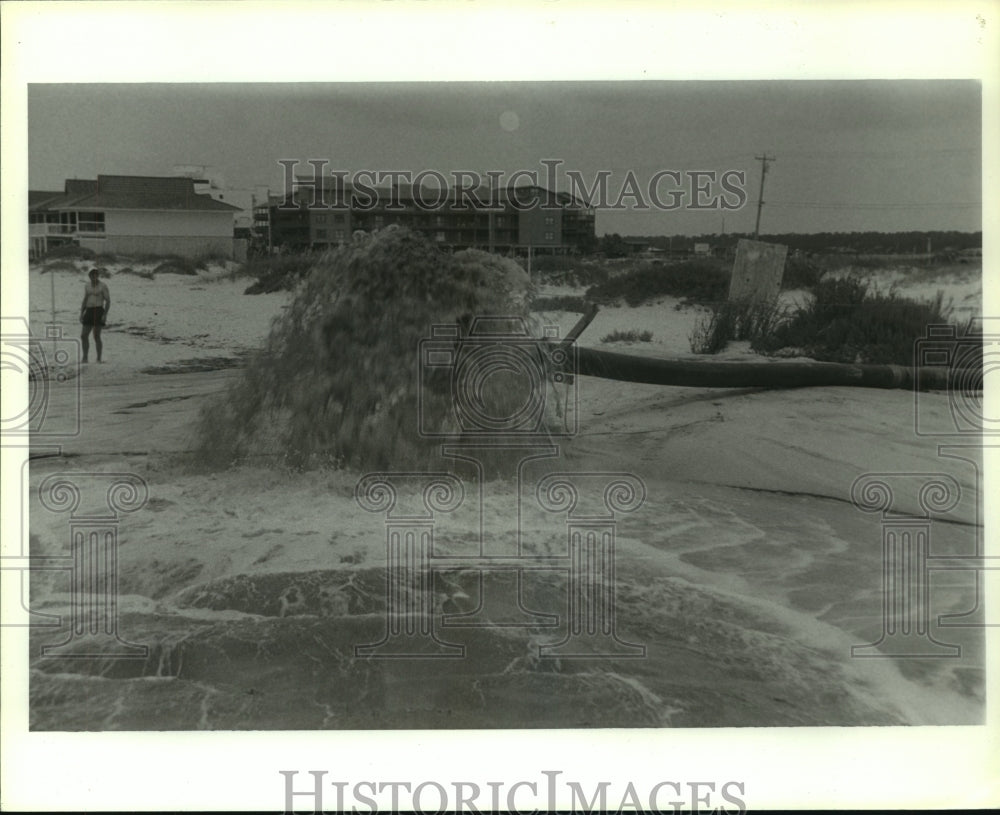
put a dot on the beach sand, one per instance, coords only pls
(745, 576)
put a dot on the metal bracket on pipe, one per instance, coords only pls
(574, 333)
(581, 324)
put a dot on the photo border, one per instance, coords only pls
(149, 42)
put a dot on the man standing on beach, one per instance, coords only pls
(94, 312)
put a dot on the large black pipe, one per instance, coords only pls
(705, 374)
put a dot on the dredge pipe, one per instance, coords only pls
(704, 374)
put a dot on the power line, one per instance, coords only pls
(877, 153)
(885, 206)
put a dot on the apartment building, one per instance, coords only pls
(520, 219)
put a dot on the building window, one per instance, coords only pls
(338, 217)
(550, 236)
(320, 218)
(439, 236)
(90, 222)
(340, 235)
(321, 234)
(549, 220)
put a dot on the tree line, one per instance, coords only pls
(875, 243)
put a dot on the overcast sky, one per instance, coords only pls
(850, 155)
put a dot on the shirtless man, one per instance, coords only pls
(94, 312)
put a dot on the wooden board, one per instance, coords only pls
(757, 271)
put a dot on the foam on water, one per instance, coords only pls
(730, 570)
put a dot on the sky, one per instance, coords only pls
(849, 155)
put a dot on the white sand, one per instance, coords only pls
(748, 492)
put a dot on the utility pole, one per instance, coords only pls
(764, 159)
(269, 246)
(489, 213)
(52, 286)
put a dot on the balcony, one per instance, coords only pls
(44, 230)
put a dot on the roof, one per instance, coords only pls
(38, 198)
(337, 188)
(73, 190)
(536, 192)
(80, 186)
(134, 192)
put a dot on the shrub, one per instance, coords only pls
(147, 258)
(543, 264)
(70, 250)
(839, 295)
(801, 273)
(734, 320)
(695, 281)
(846, 322)
(203, 261)
(277, 273)
(563, 302)
(59, 266)
(628, 336)
(176, 265)
(569, 271)
(337, 383)
(874, 262)
(145, 275)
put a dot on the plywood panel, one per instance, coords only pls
(757, 271)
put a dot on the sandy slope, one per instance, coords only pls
(747, 573)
